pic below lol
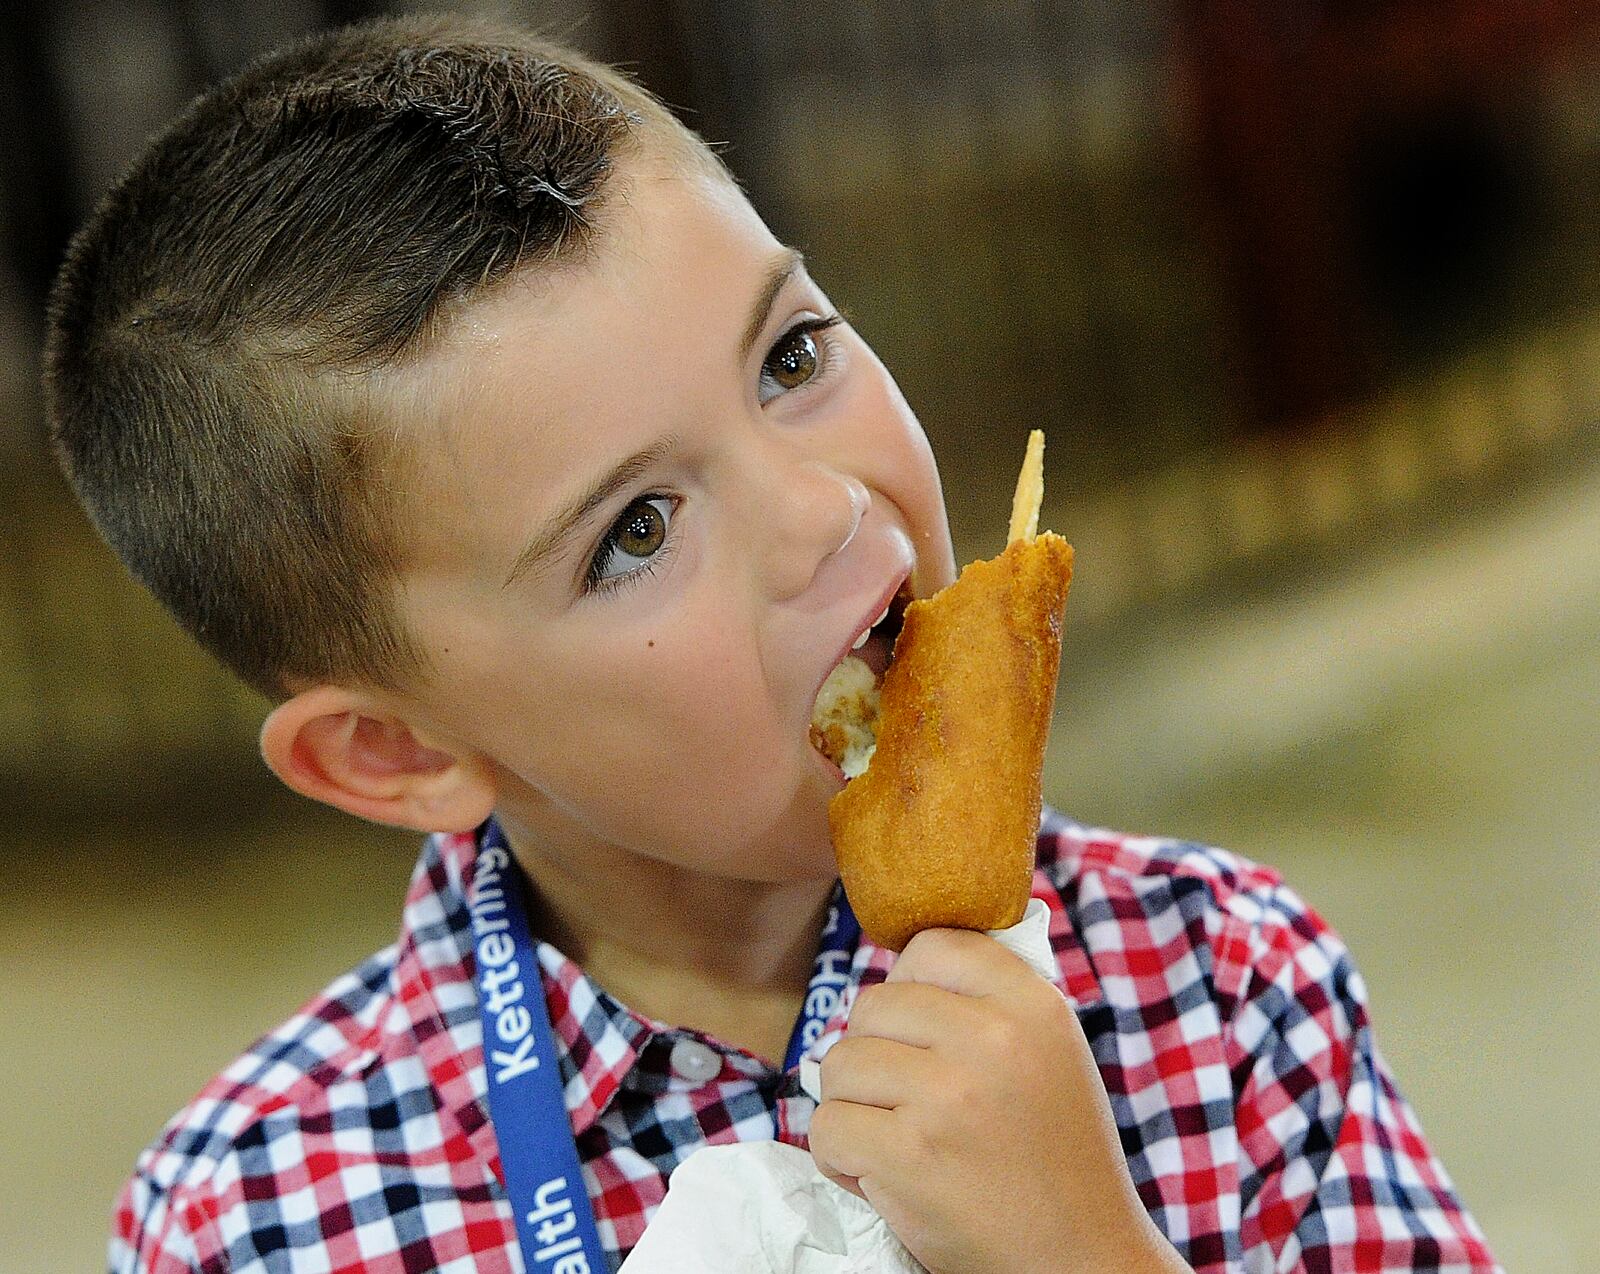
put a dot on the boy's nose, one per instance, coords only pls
(812, 517)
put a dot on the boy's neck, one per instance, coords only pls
(728, 957)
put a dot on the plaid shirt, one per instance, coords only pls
(1261, 1127)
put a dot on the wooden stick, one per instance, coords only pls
(1030, 491)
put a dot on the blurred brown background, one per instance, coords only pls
(1308, 298)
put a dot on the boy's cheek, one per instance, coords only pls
(656, 765)
(897, 461)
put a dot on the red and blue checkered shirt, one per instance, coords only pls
(1260, 1124)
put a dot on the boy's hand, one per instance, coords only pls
(965, 1106)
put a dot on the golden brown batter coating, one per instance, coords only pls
(940, 830)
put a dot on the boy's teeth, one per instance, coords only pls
(862, 640)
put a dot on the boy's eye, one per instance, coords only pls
(634, 538)
(793, 360)
(796, 358)
(642, 529)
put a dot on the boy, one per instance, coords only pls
(451, 392)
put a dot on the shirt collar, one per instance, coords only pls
(436, 1003)
(600, 1039)
(1075, 978)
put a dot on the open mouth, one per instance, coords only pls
(844, 718)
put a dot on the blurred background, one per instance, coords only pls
(1308, 299)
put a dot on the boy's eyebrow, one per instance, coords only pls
(780, 272)
(570, 518)
(560, 528)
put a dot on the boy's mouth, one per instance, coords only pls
(845, 716)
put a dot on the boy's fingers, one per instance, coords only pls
(851, 1141)
(870, 1071)
(914, 1013)
(852, 1184)
(963, 961)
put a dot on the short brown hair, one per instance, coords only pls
(315, 217)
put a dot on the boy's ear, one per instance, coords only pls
(345, 749)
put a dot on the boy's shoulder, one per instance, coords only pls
(1073, 854)
(297, 1066)
(1145, 904)
(335, 1102)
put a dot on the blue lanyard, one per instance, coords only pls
(841, 935)
(555, 1220)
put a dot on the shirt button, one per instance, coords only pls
(693, 1061)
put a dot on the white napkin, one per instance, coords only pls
(762, 1207)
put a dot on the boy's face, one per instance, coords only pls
(645, 686)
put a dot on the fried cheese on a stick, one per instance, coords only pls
(940, 829)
